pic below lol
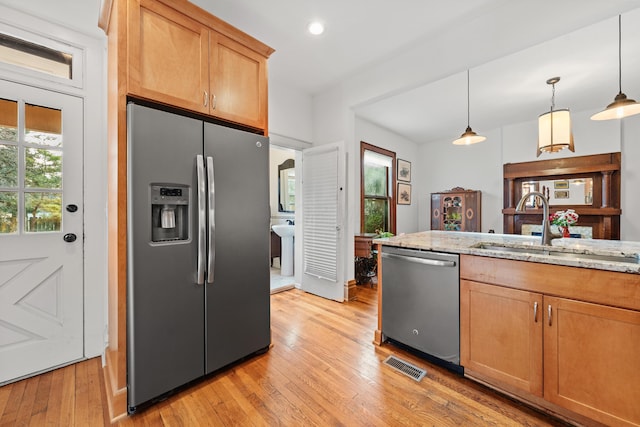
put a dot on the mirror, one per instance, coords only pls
(578, 191)
(287, 186)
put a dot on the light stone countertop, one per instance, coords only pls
(621, 256)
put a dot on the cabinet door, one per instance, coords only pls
(472, 211)
(238, 82)
(501, 335)
(591, 360)
(436, 212)
(168, 56)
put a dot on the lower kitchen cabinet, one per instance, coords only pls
(577, 355)
(591, 360)
(501, 335)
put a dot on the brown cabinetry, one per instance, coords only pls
(456, 210)
(513, 318)
(180, 61)
(529, 331)
(276, 246)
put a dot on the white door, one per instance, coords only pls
(323, 203)
(41, 287)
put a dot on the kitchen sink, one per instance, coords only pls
(576, 254)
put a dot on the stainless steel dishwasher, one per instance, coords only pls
(421, 301)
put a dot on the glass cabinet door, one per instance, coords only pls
(452, 210)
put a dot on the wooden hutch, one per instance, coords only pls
(456, 210)
(597, 202)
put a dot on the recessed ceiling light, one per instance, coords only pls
(316, 28)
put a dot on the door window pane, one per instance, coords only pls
(8, 212)
(8, 120)
(8, 165)
(43, 212)
(43, 168)
(43, 125)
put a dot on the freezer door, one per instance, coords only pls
(237, 291)
(165, 307)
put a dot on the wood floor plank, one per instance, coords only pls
(321, 370)
(10, 413)
(81, 401)
(5, 392)
(97, 402)
(23, 416)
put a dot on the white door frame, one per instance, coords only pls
(94, 93)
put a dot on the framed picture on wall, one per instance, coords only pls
(404, 170)
(404, 194)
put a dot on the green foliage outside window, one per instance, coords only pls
(42, 171)
(376, 202)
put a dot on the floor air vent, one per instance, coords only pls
(405, 368)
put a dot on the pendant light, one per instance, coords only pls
(621, 106)
(468, 137)
(554, 126)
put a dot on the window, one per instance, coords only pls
(35, 57)
(27, 55)
(377, 184)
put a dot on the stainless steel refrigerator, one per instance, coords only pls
(198, 250)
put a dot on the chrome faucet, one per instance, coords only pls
(547, 234)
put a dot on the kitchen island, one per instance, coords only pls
(557, 326)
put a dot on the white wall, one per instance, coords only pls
(290, 116)
(406, 215)
(630, 201)
(443, 166)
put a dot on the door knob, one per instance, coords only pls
(72, 208)
(69, 237)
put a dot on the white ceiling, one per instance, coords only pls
(511, 48)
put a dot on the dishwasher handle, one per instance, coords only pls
(426, 261)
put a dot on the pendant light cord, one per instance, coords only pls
(468, 100)
(620, 53)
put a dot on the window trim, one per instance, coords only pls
(364, 146)
(77, 65)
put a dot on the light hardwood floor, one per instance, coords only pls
(322, 370)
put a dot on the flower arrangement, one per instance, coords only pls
(564, 218)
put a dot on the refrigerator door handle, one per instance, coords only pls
(202, 219)
(211, 259)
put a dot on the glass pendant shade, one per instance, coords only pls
(621, 106)
(554, 132)
(469, 137)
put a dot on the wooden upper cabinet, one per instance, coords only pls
(238, 82)
(183, 61)
(168, 56)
